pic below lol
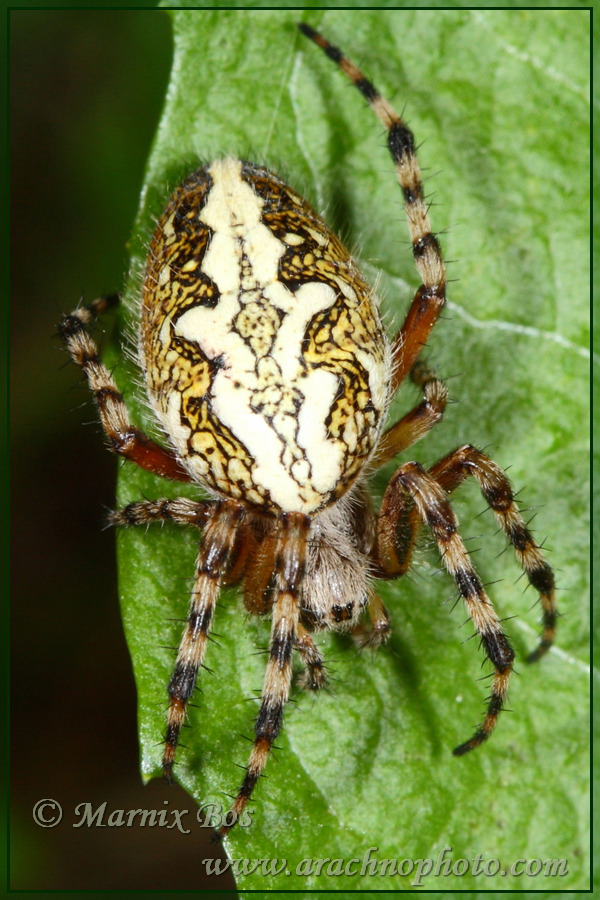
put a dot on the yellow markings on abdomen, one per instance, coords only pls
(262, 347)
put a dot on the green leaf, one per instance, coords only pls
(498, 100)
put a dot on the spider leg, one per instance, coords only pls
(290, 565)
(396, 530)
(314, 676)
(418, 421)
(215, 549)
(430, 297)
(125, 439)
(467, 461)
(260, 579)
(379, 631)
(410, 489)
(180, 511)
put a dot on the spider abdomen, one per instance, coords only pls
(262, 347)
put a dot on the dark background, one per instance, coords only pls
(86, 94)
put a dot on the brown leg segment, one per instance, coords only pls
(126, 440)
(290, 565)
(416, 423)
(213, 558)
(396, 531)
(259, 583)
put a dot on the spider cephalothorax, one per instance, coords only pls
(269, 371)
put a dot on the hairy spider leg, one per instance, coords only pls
(314, 676)
(180, 512)
(215, 549)
(418, 421)
(125, 440)
(399, 522)
(290, 565)
(413, 488)
(430, 297)
(466, 462)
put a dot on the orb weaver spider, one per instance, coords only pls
(268, 369)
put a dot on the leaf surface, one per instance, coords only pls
(498, 101)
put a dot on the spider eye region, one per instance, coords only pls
(263, 351)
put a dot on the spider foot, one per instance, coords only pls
(379, 630)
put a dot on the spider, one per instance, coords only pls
(268, 369)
